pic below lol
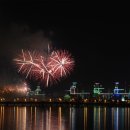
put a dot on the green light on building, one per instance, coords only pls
(97, 89)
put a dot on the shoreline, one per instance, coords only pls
(43, 103)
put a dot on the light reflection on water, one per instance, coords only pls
(64, 118)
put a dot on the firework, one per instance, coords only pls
(34, 65)
(45, 71)
(26, 63)
(49, 67)
(61, 63)
(15, 89)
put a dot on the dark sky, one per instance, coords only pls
(99, 44)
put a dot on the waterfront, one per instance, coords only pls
(64, 118)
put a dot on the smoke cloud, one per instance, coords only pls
(13, 38)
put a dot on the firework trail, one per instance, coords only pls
(49, 68)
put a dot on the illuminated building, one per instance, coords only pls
(36, 94)
(117, 94)
(73, 88)
(74, 92)
(97, 89)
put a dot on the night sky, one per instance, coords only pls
(99, 44)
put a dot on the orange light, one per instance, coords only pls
(95, 101)
(60, 99)
(85, 100)
(105, 101)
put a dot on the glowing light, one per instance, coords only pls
(122, 99)
(60, 99)
(85, 100)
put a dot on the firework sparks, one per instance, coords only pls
(48, 68)
(15, 89)
(62, 63)
(34, 65)
(26, 63)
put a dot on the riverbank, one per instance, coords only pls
(43, 103)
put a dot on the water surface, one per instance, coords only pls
(64, 118)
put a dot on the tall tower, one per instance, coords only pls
(116, 89)
(48, 48)
(38, 90)
(73, 87)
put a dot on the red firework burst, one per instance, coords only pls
(27, 63)
(61, 62)
(49, 68)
